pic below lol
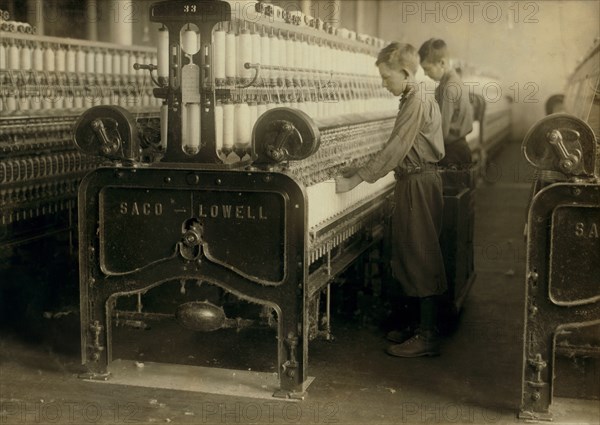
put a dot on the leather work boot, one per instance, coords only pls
(399, 336)
(425, 343)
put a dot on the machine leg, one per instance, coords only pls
(538, 374)
(293, 344)
(96, 339)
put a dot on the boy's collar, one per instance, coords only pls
(410, 91)
(412, 88)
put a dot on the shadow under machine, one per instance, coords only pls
(237, 190)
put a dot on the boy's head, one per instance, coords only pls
(434, 58)
(397, 63)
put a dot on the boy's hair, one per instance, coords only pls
(433, 50)
(399, 56)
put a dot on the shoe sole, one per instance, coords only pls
(426, 354)
(397, 340)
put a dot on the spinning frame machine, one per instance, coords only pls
(238, 190)
(46, 83)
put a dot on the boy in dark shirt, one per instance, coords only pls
(412, 151)
(453, 97)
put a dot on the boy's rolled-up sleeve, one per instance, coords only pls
(406, 128)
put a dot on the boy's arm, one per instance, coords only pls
(446, 111)
(406, 129)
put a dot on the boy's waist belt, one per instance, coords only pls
(415, 169)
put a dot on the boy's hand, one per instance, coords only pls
(345, 184)
(349, 171)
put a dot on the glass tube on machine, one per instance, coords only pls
(190, 93)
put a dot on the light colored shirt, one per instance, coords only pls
(457, 114)
(416, 139)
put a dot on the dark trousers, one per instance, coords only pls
(417, 262)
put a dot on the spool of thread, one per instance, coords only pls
(298, 58)
(290, 47)
(256, 49)
(47, 99)
(274, 52)
(193, 123)
(49, 59)
(88, 100)
(35, 102)
(2, 56)
(219, 127)
(265, 55)
(80, 61)
(59, 99)
(185, 136)
(23, 103)
(124, 71)
(77, 100)
(326, 56)
(11, 102)
(163, 53)
(189, 42)
(230, 56)
(13, 57)
(108, 65)
(70, 59)
(90, 61)
(261, 109)
(242, 124)
(25, 58)
(99, 62)
(116, 63)
(69, 101)
(253, 108)
(244, 54)
(60, 60)
(219, 54)
(283, 57)
(228, 126)
(307, 58)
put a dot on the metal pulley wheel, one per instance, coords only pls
(283, 134)
(108, 131)
(561, 142)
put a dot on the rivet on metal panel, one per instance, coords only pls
(576, 191)
(533, 277)
(532, 311)
(167, 179)
(193, 179)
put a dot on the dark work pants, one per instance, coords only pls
(417, 262)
